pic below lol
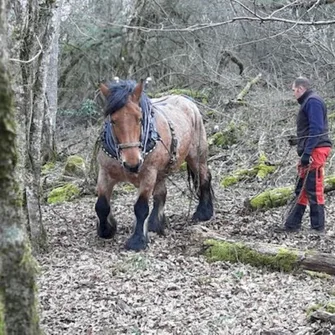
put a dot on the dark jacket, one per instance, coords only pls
(312, 123)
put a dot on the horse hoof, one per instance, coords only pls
(136, 243)
(107, 230)
(158, 227)
(197, 217)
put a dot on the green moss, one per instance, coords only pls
(264, 170)
(260, 171)
(229, 180)
(312, 309)
(328, 306)
(127, 187)
(330, 181)
(63, 193)
(285, 260)
(46, 168)
(321, 275)
(183, 166)
(271, 198)
(75, 166)
(237, 176)
(226, 137)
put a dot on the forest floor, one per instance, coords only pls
(95, 287)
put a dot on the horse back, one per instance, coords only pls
(184, 117)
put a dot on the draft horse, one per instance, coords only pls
(143, 140)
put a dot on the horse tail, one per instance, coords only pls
(193, 183)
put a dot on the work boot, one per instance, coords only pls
(293, 220)
(317, 216)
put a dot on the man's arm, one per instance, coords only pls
(314, 110)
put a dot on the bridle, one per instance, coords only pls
(123, 146)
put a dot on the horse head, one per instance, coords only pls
(125, 115)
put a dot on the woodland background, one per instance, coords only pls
(54, 54)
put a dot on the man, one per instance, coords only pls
(314, 147)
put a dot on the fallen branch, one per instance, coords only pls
(247, 87)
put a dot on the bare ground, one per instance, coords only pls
(91, 286)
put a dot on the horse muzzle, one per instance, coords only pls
(132, 168)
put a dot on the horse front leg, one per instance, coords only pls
(107, 225)
(139, 239)
(157, 220)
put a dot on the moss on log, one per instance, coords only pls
(284, 259)
(260, 171)
(271, 256)
(280, 196)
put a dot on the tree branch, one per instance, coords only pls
(203, 26)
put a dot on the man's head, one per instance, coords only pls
(300, 86)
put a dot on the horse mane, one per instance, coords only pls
(118, 97)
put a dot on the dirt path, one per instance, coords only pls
(90, 286)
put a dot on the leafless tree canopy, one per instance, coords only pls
(193, 43)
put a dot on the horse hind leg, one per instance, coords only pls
(106, 225)
(157, 219)
(201, 178)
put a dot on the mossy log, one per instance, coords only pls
(247, 87)
(271, 256)
(280, 196)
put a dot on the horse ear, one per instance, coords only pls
(136, 96)
(104, 90)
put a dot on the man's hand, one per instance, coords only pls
(305, 159)
(292, 140)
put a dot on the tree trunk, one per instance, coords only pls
(18, 302)
(37, 32)
(49, 146)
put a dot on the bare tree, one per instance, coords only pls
(49, 129)
(34, 20)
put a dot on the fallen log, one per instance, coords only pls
(280, 196)
(271, 256)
